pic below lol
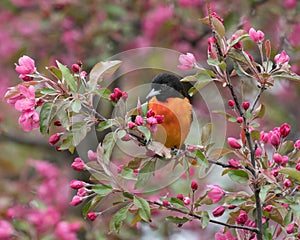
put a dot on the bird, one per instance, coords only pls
(169, 98)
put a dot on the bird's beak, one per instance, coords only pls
(153, 93)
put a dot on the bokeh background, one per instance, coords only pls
(94, 30)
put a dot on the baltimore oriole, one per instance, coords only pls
(168, 98)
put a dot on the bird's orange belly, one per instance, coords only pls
(177, 114)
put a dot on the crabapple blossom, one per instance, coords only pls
(232, 142)
(77, 184)
(92, 216)
(257, 36)
(54, 138)
(216, 193)
(218, 211)
(194, 185)
(76, 200)
(290, 228)
(78, 164)
(187, 61)
(281, 58)
(26, 66)
(29, 120)
(242, 217)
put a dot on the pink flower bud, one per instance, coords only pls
(118, 93)
(268, 208)
(194, 185)
(277, 158)
(150, 113)
(290, 4)
(131, 125)
(180, 196)
(234, 163)
(297, 145)
(78, 164)
(281, 58)
(159, 119)
(165, 203)
(124, 95)
(92, 155)
(82, 192)
(83, 74)
(215, 15)
(290, 228)
(57, 123)
(75, 68)
(113, 98)
(264, 137)
(216, 193)
(6, 230)
(139, 120)
(186, 200)
(285, 129)
(26, 66)
(92, 216)
(218, 211)
(152, 121)
(285, 160)
(238, 45)
(230, 103)
(245, 105)
(298, 166)
(54, 138)
(76, 184)
(232, 142)
(242, 218)
(287, 183)
(76, 200)
(239, 120)
(258, 152)
(257, 36)
(274, 138)
(187, 61)
(232, 206)
(275, 172)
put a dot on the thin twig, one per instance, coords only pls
(199, 217)
(257, 98)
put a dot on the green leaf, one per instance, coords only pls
(102, 189)
(128, 195)
(217, 153)
(291, 172)
(288, 218)
(296, 210)
(108, 145)
(200, 156)
(177, 220)
(145, 174)
(79, 131)
(103, 93)
(286, 147)
(237, 56)
(145, 131)
(227, 115)
(219, 27)
(105, 124)
(67, 76)
(55, 72)
(197, 86)
(67, 143)
(204, 219)
(240, 38)
(117, 219)
(76, 106)
(144, 209)
(46, 116)
(288, 76)
(189, 79)
(206, 133)
(239, 176)
(102, 69)
(264, 191)
(62, 114)
(259, 112)
(91, 205)
(255, 135)
(127, 173)
(48, 91)
(176, 202)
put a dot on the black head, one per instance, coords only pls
(166, 85)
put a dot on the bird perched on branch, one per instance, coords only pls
(169, 99)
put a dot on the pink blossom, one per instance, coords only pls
(287, 183)
(257, 36)
(76, 200)
(277, 158)
(82, 192)
(159, 119)
(298, 166)
(67, 231)
(258, 152)
(230, 103)
(285, 129)
(118, 93)
(242, 218)
(281, 58)
(152, 121)
(264, 137)
(246, 105)
(234, 163)
(216, 193)
(297, 145)
(139, 120)
(179, 196)
(26, 99)
(77, 184)
(187, 61)
(92, 216)
(92, 155)
(78, 164)
(150, 113)
(274, 138)
(124, 95)
(26, 66)
(6, 230)
(131, 125)
(232, 142)
(186, 200)
(225, 236)
(268, 208)
(218, 211)
(29, 120)
(54, 138)
(285, 160)
(290, 228)
(290, 4)
(194, 185)
(45, 169)
(189, 3)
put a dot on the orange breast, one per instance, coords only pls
(176, 124)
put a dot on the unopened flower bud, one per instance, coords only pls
(230, 103)
(92, 155)
(232, 142)
(218, 211)
(242, 218)
(194, 185)
(281, 58)
(298, 166)
(92, 216)
(234, 163)
(257, 36)
(275, 172)
(78, 164)
(54, 139)
(277, 158)
(76, 200)
(76, 184)
(57, 123)
(124, 95)
(165, 203)
(179, 196)
(290, 228)
(139, 120)
(258, 152)
(187, 61)
(245, 105)
(287, 183)
(268, 208)
(239, 120)
(285, 129)
(186, 200)
(297, 145)
(75, 68)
